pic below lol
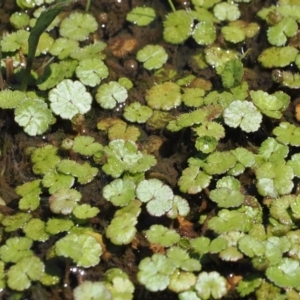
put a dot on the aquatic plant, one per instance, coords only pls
(189, 153)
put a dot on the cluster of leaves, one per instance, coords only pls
(238, 229)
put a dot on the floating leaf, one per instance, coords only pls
(86, 145)
(219, 162)
(158, 234)
(70, 98)
(62, 47)
(16, 248)
(204, 33)
(11, 99)
(44, 159)
(286, 274)
(123, 131)
(270, 105)
(64, 201)
(85, 211)
(110, 94)
(243, 114)
(124, 156)
(85, 173)
(274, 178)
(19, 19)
(180, 208)
(141, 16)
(89, 290)
(91, 71)
(55, 180)
(182, 259)
(152, 56)
(226, 11)
(91, 51)
(78, 26)
(35, 230)
(55, 226)
(287, 134)
(177, 27)
(164, 96)
(154, 272)
(34, 115)
(120, 192)
(121, 230)
(15, 222)
(278, 34)
(277, 57)
(158, 196)
(19, 276)
(230, 220)
(193, 180)
(211, 284)
(232, 73)
(83, 249)
(14, 41)
(55, 73)
(135, 112)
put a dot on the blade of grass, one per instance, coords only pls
(43, 21)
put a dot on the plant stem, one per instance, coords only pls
(172, 5)
(88, 4)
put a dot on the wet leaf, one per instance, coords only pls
(164, 96)
(27, 269)
(158, 234)
(16, 248)
(35, 229)
(78, 26)
(89, 290)
(193, 180)
(152, 56)
(177, 27)
(121, 230)
(158, 196)
(243, 114)
(85, 211)
(55, 180)
(182, 260)
(204, 33)
(120, 192)
(64, 200)
(135, 112)
(210, 284)
(277, 57)
(110, 94)
(91, 71)
(83, 249)
(70, 98)
(34, 116)
(55, 225)
(154, 272)
(141, 16)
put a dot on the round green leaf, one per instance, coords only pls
(78, 26)
(34, 115)
(153, 56)
(69, 98)
(141, 16)
(84, 249)
(110, 94)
